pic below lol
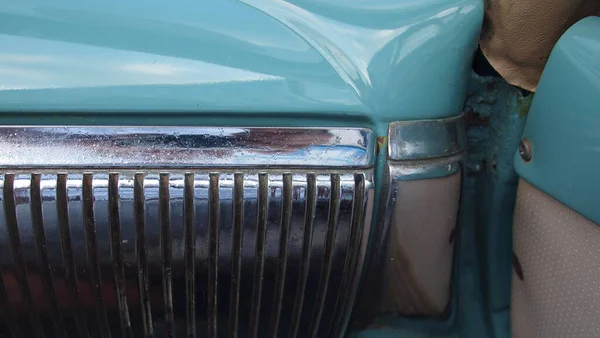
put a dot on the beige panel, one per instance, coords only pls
(558, 251)
(418, 269)
(517, 39)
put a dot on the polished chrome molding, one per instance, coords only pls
(424, 169)
(177, 247)
(423, 139)
(397, 172)
(184, 147)
(424, 159)
(399, 181)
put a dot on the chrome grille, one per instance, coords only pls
(181, 252)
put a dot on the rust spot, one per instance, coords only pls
(381, 143)
(474, 118)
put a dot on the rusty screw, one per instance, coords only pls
(525, 150)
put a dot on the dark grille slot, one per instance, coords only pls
(344, 296)
(283, 254)
(167, 252)
(259, 262)
(42, 253)
(7, 314)
(141, 253)
(17, 253)
(117, 253)
(236, 252)
(334, 209)
(311, 201)
(213, 249)
(67, 254)
(190, 251)
(92, 254)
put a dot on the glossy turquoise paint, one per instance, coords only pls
(250, 62)
(564, 122)
(379, 60)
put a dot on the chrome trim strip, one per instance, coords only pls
(395, 175)
(183, 147)
(424, 169)
(423, 139)
(417, 150)
(396, 172)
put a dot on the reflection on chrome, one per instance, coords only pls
(411, 263)
(422, 139)
(183, 147)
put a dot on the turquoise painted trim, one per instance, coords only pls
(381, 59)
(564, 122)
(501, 112)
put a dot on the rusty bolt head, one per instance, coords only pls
(525, 150)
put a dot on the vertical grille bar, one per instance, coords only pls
(286, 218)
(151, 224)
(190, 252)
(167, 251)
(17, 253)
(236, 251)
(334, 209)
(92, 253)
(213, 259)
(343, 302)
(259, 262)
(277, 208)
(42, 253)
(62, 209)
(311, 202)
(116, 252)
(141, 252)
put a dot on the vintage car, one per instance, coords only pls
(263, 168)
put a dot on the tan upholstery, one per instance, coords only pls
(558, 251)
(518, 35)
(420, 252)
